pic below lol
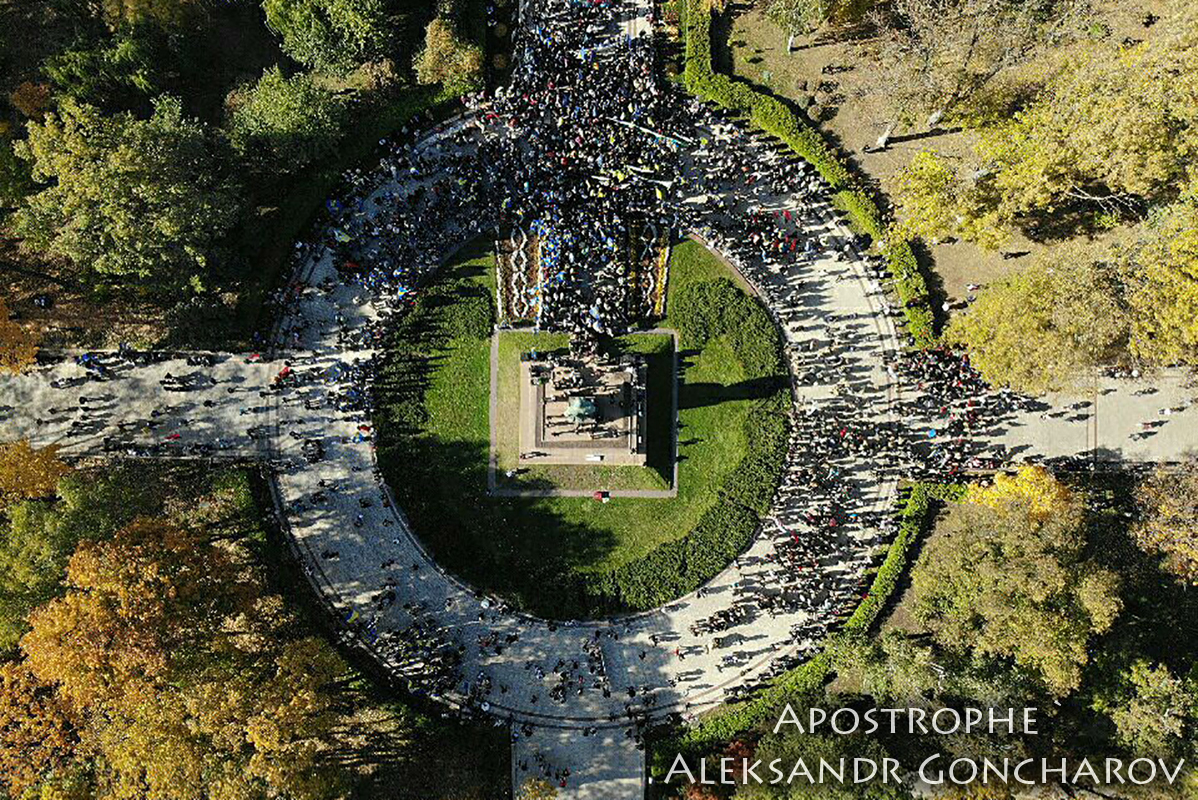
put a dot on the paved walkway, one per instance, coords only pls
(166, 408)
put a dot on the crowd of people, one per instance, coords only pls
(585, 150)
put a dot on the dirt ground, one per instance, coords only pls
(845, 93)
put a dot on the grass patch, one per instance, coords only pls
(569, 556)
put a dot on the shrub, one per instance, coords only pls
(284, 123)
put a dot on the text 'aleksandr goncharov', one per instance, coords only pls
(933, 770)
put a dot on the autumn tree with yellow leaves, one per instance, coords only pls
(184, 672)
(1107, 127)
(537, 789)
(18, 344)
(38, 733)
(27, 472)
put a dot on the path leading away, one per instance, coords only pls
(169, 407)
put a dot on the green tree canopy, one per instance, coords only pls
(1012, 579)
(281, 123)
(117, 13)
(1155, 717)
(1039, 329)
(789, 747)
(448, 59)
(37, 538)
(115, 74)
(1083, 305)
(331, 35)
(127, 201)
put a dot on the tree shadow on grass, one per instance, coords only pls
(516, 546)
(699, 395)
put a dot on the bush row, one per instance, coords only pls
(915, 515)
(678, 567)
(776, 118)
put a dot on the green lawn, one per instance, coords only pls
(566, 557)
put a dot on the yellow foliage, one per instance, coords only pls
(1032, 487)
(27, 473)
(447, 59)
(18, 345)
(537, 789)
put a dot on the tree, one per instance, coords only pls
(790, 747)
(165, 12)
(15, 182)
(1032, 490)
(124, 198)
(1156, 718)
(897, 667)
(27, 472)
(1039, 329)
(151, 593)
(1168, 523)
(31, 99)
(120, 73)
(37, 731)
(889, 667)
(1162, 275)
(797, 17)
(940, 55)
(537, 789)
(447, 59)
(935, 203)
(331, 35)
(1111, 128)
(18, 344)
(281, 123)
(187, 677)
(1010, 579)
